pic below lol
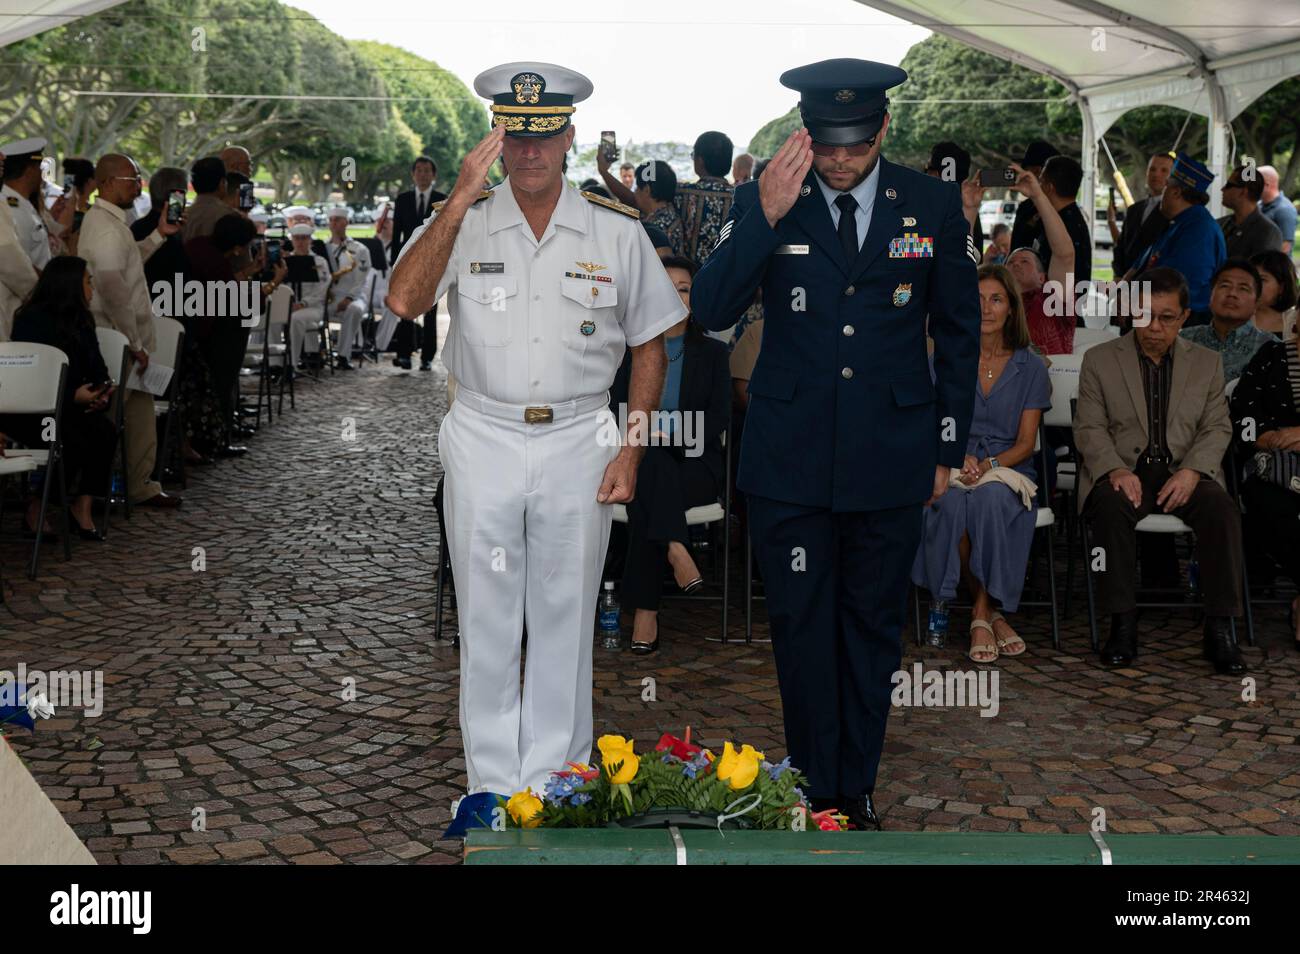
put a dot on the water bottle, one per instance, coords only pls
(117, 485)
(1193, 579)
(937, 632)
(608, 613)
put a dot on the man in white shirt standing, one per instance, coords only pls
(17, 274)
(122, 301)
(546, 288)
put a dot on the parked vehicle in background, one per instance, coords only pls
(997, 211)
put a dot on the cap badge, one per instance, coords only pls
(845, 96)
(891, 194)
(528, 88)
(902, 295)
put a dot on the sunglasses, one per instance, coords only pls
(857, 149)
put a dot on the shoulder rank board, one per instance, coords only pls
(611, 204)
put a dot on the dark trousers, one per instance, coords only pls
(225, 350)
(836, 594)
(667, 485)
(1210, 512)
(88, 444)
(405, 333)
(1272, 524)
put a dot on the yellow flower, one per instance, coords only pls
(525, 808)
(739, 769)
(616, 751)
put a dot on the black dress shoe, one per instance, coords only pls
(88, 534)
(403, 363)
(1219, 646)
(1122, 647)
(426, 365)
(861, 812)
(645, 649)
(343, 364)
(231, 450)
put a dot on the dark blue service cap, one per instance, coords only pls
(843, 101)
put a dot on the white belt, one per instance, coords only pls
(532, 414)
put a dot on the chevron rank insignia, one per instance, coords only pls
(725, 233)
(611, 204)
(971, 250)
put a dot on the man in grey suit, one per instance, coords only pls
(1152, 427)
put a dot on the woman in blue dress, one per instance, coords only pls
(984, 534)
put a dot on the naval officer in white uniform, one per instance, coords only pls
(546, 287)
(21, 191)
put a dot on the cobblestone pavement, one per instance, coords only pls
(224, 687)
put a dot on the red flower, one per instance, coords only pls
(584, 772)
(677, 747)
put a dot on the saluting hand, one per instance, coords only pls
(778, 187)
(474, 168)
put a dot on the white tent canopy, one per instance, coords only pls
(1205, 56)
(20, 19)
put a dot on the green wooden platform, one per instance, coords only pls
(657, 847)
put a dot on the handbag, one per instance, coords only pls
(1280, 467)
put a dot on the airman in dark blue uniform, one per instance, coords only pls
(847, 435)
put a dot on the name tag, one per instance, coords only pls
(487, 268)
(792, 250)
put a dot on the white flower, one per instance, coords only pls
(39, 706)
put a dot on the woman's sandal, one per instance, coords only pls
(988, 650)
(1012, 641)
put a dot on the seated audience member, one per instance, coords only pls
(1151, 427)
(1050, 333)
(704, 204)
(1276, 309)
(349, 261)
(308, 310)
(58, 314)
(1266, 409)
(1246, 232)
(1234, 293)
(659, 239)
(982, 528)
(1277, 208)
(999, 245)
(1193, 243)
(673, 475)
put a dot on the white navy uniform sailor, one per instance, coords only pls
(352, 259)
(33, 236)
(538, 328)
(305, 322)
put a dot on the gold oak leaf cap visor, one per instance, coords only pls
(532, 99)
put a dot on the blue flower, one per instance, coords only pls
(776, 771)
(581, 798)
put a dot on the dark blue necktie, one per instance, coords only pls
(848, 206)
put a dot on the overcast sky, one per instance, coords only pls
(663, 70)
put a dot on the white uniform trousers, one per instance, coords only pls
(527, 541)
(349, 322)
(304, 326)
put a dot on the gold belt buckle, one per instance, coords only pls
(538, 415)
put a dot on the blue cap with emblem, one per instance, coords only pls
(1190, 174)
(532, 99)
(843, 102)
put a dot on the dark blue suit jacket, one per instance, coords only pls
(843, 413)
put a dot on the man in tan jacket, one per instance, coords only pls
(1152, 427)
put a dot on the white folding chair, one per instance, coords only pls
(264, 348)
(116, 352)
(1085, 338)
(31, 382)
(169, 335)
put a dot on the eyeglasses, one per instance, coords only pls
(857, 149)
